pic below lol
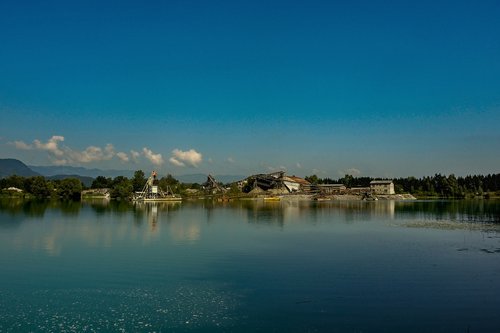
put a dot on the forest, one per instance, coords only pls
(437, 186)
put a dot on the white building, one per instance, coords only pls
(382, 187)
(332, 188)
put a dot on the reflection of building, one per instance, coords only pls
(382, 187)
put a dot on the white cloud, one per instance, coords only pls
(122, 156)
(351, 171)
(276, 169)
(298, 165)
(318, 172)
(182, 158)
(60, 162)
(21, 145)
(109, 151)
(62, 155)
(176, 162)
(156, 159)
(231, 160)
(135, 155)
(52, 145)
(92, 154)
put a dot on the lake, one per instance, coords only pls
(250, 266)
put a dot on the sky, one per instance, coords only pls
(368, 88)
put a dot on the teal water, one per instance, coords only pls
(250, 266)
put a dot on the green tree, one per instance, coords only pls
(15, 181)
(169, 182)
(101, 182)
(348, 181)
(313, 179)
(69, 188)
(121, 188)
(138, 181)
(38, 186)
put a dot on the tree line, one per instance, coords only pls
(438, 185)
(40, 187)
(71, 188)
(122, 187)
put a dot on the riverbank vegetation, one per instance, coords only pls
(437, 186)
(71, 188)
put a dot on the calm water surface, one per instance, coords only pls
(250, 266)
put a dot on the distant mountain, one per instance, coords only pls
(192, 178)
(54, 170)
(226, 179)
(201, 178)
(10, 166)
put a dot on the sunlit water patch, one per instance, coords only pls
(199, 306)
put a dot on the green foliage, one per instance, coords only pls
(69, 188)
(434, 186)
(170, 182)
(38, 186)
(138, 181)
(14, 181)
(195, 186)
(102, 182)
(313, 179)
(121, 188)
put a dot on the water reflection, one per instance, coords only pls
(152, 212)
(474, 211)
(104, 223)
(188, 266)
(259, 211)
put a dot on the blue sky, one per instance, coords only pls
(371, 88)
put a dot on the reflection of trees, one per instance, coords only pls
(485, 211)
(354, 210)
(265, 213)
(70, 207)
(30, 208)
(99, 206)
(103, 206)
(11, 206)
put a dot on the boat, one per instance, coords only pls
(273, 198)
(153, 193)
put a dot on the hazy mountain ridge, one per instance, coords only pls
(53, 170)
(81, 171)
(9, 167)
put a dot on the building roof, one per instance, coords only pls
(381, 182)
(331, 185)
(295, 179)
